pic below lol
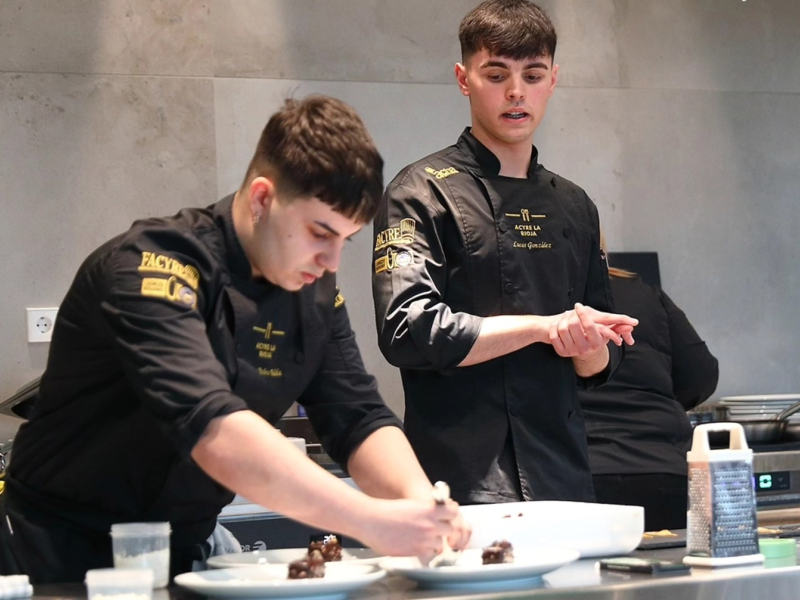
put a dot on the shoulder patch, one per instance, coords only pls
(441, 173)
(404, 233)
(180, 284)
(169, 289)
(160, 263)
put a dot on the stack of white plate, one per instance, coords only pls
(760, 406)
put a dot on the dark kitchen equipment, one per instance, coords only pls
(765, 431)
(22, 402)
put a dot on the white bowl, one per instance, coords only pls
(591, 529)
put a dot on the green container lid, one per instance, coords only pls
(777, 548)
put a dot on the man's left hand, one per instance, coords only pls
(585, 331)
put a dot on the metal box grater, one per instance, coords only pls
(722, 528)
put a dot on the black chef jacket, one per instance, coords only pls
(163, 330)
(636, 423)
(449, 250)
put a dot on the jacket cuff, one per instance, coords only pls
(615, 356)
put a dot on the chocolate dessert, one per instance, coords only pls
(329, 547)
(312, 566)
(498, 553)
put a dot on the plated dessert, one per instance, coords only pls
(498, 553)
(312, 565)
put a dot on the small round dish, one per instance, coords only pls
(270, 581)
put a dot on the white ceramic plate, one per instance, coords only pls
(270, 581)
(469, 572)
(282, 556)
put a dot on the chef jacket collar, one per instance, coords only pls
(488, 163)
(235, 258)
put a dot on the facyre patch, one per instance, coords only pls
(404, 233)
(166, 265)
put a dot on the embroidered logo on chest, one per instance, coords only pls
(528, 225)
(268, 346)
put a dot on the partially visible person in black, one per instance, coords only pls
(178, 344)
(636, 424)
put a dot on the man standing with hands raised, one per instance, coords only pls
(491, 290)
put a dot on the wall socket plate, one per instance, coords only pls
(40, 323)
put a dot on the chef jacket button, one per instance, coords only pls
(510, 288)
(569, 292)
(502, 227)
(298, 358)
(567, 232)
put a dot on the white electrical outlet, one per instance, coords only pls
(40, 323)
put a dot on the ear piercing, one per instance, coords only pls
(256, 218)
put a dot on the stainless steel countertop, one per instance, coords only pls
(580, 580)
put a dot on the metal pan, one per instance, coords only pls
(766, 431)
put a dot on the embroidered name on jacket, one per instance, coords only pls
(402, 234)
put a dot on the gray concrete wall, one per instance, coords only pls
(680, 118)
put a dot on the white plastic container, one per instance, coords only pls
(142, 546)
(299, 443)
(722, 528)
(119, 584)
(15, 586)
(591, 529)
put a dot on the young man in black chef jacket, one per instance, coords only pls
(491, 291)
(183, 339)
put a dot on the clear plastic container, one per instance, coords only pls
(119, 584)
(142, 546)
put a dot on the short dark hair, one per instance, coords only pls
(516, 29)
(320, 147)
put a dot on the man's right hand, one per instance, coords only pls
(413, 527)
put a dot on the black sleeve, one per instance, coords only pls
(598, 295)
(342, 400)
(416, 329)
(695, 371)
(152, 309)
